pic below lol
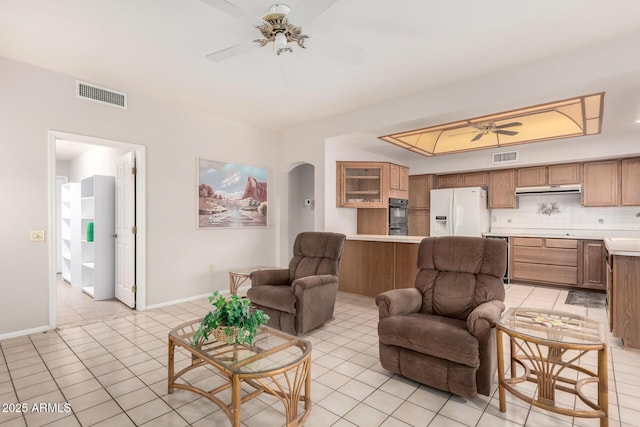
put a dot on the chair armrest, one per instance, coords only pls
(301, 284)
(484, 317)
(398, 301)
(274, 276)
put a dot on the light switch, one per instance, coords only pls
(36, 236)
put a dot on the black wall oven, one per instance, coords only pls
(398, 217)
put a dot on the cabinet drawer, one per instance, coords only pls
(561, 243)
(547, 256)
(545, 273)
(527, 241)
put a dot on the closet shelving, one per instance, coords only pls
(70, 232)
(97, 261)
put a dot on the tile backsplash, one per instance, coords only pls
(565, 212)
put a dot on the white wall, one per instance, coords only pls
(96, 161)
(35, 101)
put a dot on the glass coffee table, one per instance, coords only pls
(277, 363)
(547, 348)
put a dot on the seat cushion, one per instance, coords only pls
(437, 336)
(277, 297)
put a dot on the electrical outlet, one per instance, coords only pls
(210, 268)
(36, 236)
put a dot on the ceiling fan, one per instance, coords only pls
(276, 27)
(491, 127)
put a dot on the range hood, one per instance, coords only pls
(549, 189)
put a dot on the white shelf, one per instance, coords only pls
(70, 232)
(98, 256)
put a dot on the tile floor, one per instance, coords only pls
(113, 372)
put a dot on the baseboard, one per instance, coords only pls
(24, 332)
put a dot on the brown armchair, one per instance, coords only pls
(302, 297)
(441, 332)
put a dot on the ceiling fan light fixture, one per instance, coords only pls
(280, 44)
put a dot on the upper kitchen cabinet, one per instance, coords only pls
(451, 180)
(468, 179)
(420, 191)
(568, 173)
(529, 177)
(563, 174)
(502, 187)
(369, 184)
(630, 177)
(600, 183)
(398, 181)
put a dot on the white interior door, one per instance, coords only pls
(125, 230)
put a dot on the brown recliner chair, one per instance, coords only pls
(441, 332)
(302, 297)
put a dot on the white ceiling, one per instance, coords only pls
(157, 48)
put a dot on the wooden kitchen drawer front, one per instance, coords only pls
(545, 273)
(548, 256)
(561, 243)
(528, 241)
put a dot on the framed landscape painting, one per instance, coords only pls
(231, 195)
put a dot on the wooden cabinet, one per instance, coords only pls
(600, 183)
(624, 299)
(529, 177)
(419, 222)
(398, 181)
(475, 179)
(362, 185)
(568, 173)
(419, 202)
(563, 174)
(630, 182)
(372, 267)
(592, 271)
(420, 191)
(545, 260)
(450, 180)
(370, 184)
(502, 186)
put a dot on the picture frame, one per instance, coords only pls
(231, 195)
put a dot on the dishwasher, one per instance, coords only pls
(505, 279)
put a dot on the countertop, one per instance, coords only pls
(382, 238)
(624, 246)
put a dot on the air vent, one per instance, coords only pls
(101, 95)
(509, 156)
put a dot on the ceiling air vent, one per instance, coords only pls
(101, 95)
(509, 156)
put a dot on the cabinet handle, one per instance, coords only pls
(115, 235)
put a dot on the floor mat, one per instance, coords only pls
(586, 299)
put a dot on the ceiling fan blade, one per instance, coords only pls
(232, 51)
(235, 11)
(307, 10)
(505, 132)
(508, 125)
(477, 137)
(335, 49)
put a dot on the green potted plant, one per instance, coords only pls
(232, 318)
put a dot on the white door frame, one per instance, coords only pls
(141, 229)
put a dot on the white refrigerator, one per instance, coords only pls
(459, 212)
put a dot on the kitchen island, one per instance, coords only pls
(372, 264)
(623, 288)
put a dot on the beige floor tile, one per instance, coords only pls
(120, 420)
(81, 388)
(364, 415)
(413, 414)
(89, 399)
(124, 387)
(101, 412)
(148, 411)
